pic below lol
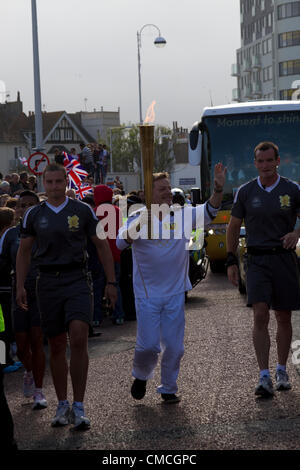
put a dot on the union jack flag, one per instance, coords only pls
(69, 160)
(23, 161)
(74, 170)
(83, 190)
(76, 175)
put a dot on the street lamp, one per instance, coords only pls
(158, 42)
(37, 81)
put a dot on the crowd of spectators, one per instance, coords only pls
(94, 158)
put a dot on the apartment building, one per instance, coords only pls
(268, 61)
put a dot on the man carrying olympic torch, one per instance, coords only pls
(160, 279)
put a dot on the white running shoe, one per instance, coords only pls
(282, 380)
(77, 417)
(264, 387)
(62, 416)
(28, 384)
(39, 401)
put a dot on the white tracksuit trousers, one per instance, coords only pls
(160, 327)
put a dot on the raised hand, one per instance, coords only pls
(219, 176)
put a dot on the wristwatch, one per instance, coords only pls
(115, 284)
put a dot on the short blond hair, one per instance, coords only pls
(160, 176)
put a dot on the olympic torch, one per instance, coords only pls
(147, 146)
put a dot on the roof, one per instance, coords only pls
(251, 107)
(12, 129)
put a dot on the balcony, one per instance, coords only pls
(247, 66)
(235, 70)
(257, 90)
(247, 92)
(256, 62)
(236, 94)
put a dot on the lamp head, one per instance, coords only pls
(160, 42)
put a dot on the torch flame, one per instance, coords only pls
(150, 115)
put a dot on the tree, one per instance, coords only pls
(126, 150)
(164, 150)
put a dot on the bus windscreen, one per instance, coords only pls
(232, 139)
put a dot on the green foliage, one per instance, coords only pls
(164, 150)
(126, 152)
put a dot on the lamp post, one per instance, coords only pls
(158, 42)
(37, 81)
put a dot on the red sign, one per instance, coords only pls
(37, 163)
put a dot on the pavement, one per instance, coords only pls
(218, 411)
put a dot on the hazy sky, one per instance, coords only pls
(88, 50)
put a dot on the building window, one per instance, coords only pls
(68, 134)
(289, 39)
(288, 10)
(290, 67)
(267, 46)
(56, 135)
(288, 94)
(64, 123)
(270, 20)
(268, 73)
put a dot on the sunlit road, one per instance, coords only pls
(217, 380)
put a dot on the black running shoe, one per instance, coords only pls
(138, 389)
(170, 398)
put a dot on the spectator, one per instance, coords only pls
(71, 193)
(106, 157)
(103, 196)
(116, 199)
(11, 202)
(58, 156)
(3, 199)
(141, 195)
(98, 161)
(27, 323)
(118, 184)
(7, 178)
(32, 184)
(188, 199)
(117, 191)
(126, 283)
(15, 184)
(5, 188)
(74, 153)
(87, 158)
(24, 179)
